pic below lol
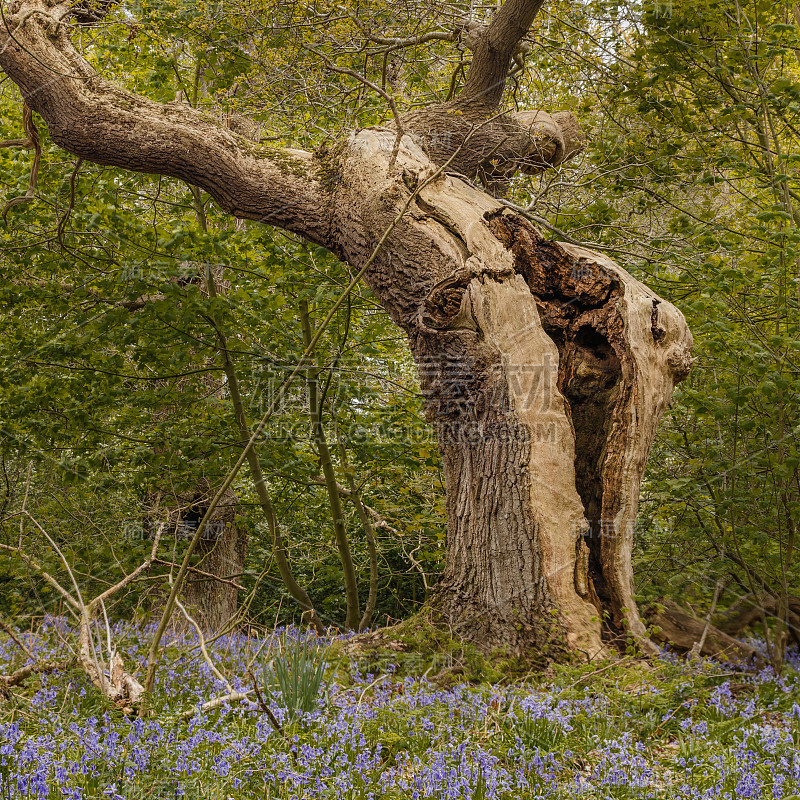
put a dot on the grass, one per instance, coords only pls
(638, 729)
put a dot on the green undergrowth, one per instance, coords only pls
(391, 722)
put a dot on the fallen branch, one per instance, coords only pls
(231, 697)
(750, 609)
(113, 681)
(676, 627)
(40, 668)
(262, 704)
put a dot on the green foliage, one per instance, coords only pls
(689, 179)
(292, 675)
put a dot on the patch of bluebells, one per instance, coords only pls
(692, 731)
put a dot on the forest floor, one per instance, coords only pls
(662, 728)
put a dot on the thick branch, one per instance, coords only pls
(93, 119)
(528, 141)
(493, 52)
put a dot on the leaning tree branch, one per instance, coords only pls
(92, 118)
(379, 521)
(17, 641)
(129, 578)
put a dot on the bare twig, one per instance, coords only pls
(262, 704)
(10, 631)
(203, 649)
(398, 120)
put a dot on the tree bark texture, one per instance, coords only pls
(220, 553)
(545, 367)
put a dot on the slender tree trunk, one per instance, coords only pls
(260, 485)
(315, 411)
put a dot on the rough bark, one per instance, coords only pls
(220, 554)
(545, 367)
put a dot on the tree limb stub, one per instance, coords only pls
(500, 144)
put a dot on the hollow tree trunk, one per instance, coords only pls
(545, 368)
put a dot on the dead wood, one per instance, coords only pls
(673, 625)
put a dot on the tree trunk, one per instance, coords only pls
(220, 555)
(210, 594)
(545, 369)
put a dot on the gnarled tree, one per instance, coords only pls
(545, 366)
